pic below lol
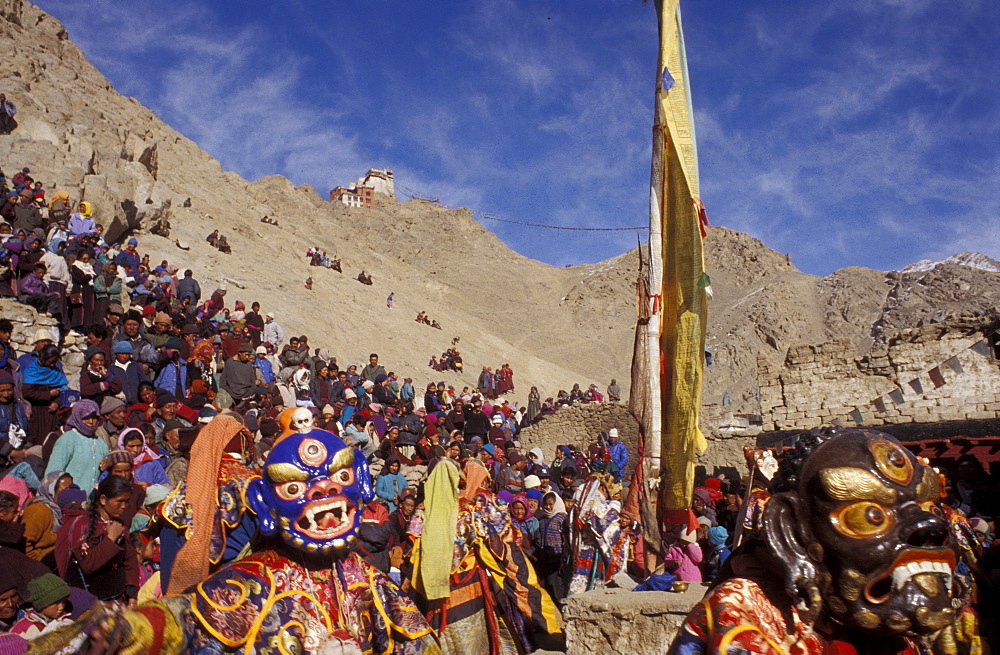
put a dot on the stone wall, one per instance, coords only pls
(26, 320)
(579, 426)
(926, 374)
(626, 622)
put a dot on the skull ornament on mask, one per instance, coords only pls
(855, 527)
(302, 420)
(312, 491)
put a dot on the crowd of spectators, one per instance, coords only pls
(85, 467)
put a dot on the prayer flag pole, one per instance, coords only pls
(677, 331)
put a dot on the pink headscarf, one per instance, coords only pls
(18, 488)
(147, 454)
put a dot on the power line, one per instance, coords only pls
(560, 227)
(483, 215)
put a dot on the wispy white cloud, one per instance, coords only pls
(861, 125)
(228, 88)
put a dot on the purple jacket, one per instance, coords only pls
(32, 284)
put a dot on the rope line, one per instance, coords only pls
(489, 217)
(559, 227)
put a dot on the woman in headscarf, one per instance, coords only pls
(82, 220)
(550, 548)
(534, 405)
(83, 274)
(563, 457)
(353, 378)
(42, 517)
(30, 255)
(536, 459)
(119, 463)
(59, 207)
(523, 519)
(431, 403)
(79, 450)
(18, 488)
(390, 483)
(146, 466)
(42, 382)
(57, 235)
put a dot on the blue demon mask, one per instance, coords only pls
(312, 492)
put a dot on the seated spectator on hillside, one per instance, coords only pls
(59, 207)
(58, 235)
(82, 221)
(128, 259)
(96, 382)
(188, 286)
(35, 292)
(213, 238)
(223, 245)
(7, 122)
(22, 175)
(26, 214)
(364, 278)
(7, 210)
(238, 377)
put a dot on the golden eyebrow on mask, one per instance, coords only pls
(282, 472)
(343, 459)
(848, 483)
(929, 487)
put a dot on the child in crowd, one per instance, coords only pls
(47, 595)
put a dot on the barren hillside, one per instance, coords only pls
(77, 133)
(555, 326)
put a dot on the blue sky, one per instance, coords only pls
(860, 132)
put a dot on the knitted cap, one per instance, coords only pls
(531, 481)
(718, 535)
(122, 347)
(91, 351)
(69, 496)
(47, 590)
(164, 397)
(110, 404)
(173, 424)
(116, 457)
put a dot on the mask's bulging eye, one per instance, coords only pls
(291, 490)
(344, 477)
(863, 519)
(312, 452)
(892, 461)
